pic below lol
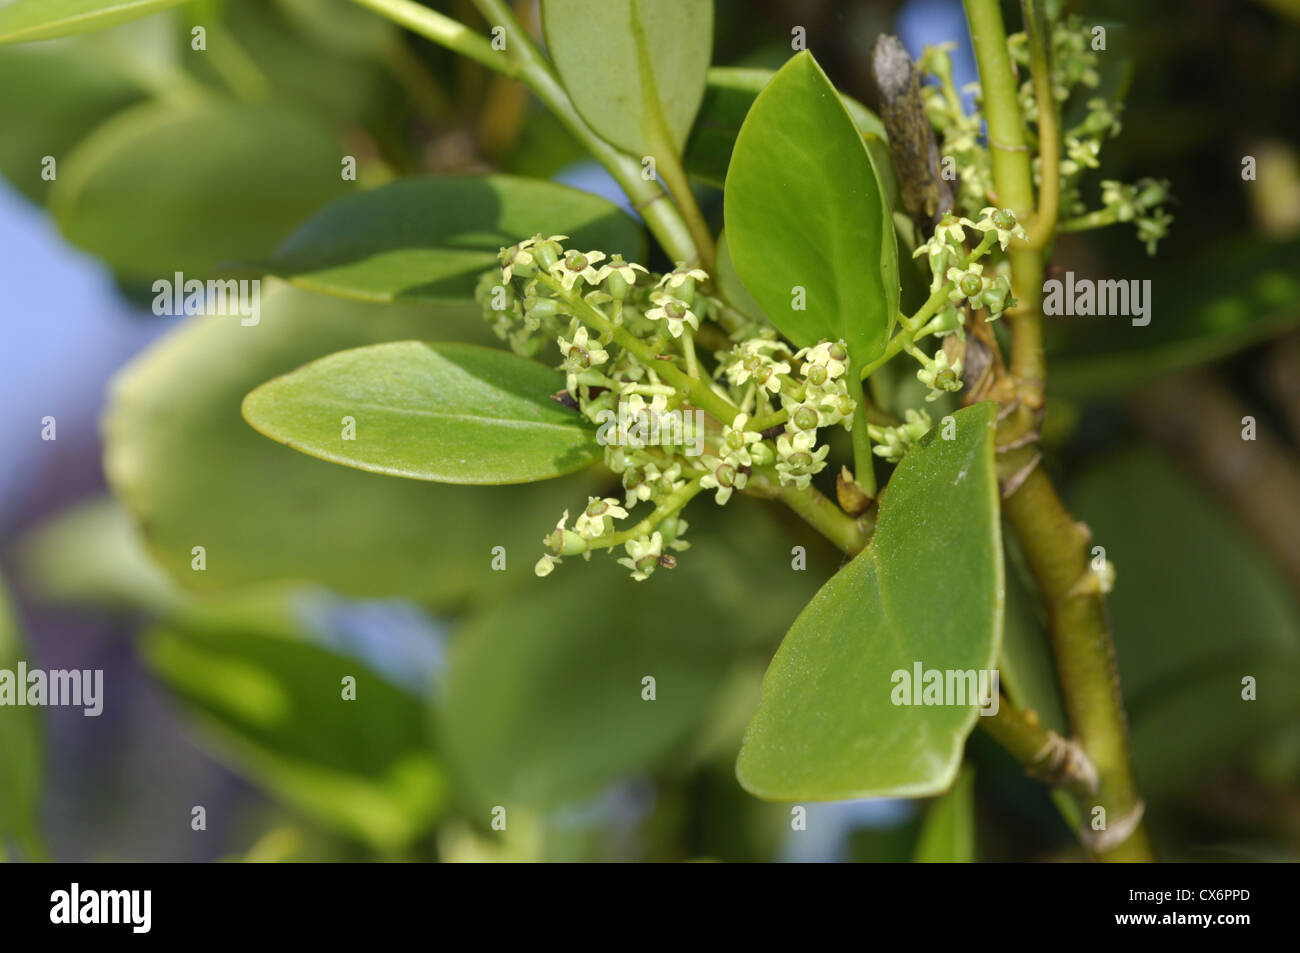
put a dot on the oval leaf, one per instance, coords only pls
(450, 413)
(431, 239)
(805, 210)
(164, 188)
(927, 591)
(727, 100)
(635, 69)
(192, 473)
(24, 20)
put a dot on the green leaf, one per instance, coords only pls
(1196, 607)
(1241, 295)
(431, 239)
(948, 834)
(21, 758)
(449, 413)
(542, 704)
(272, 703)
(727, 101)
(635, 69)
(804, 210)
(91, 555)
(22, 21)
(192, 473)
(55, 93)
(927, 590)
(193, 188)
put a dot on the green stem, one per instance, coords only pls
(864, 470)
(1057, 550)
(666, 508)
(522, 60)
(444, 31)
(1037, 748)
(1055, 545)
(1097, 219)
(662, 218)
(1042, 228)
(849, 535)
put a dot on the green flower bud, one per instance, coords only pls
(546, 253)
(566, 543)
(540, 309)
(762, 454)
(617, 287)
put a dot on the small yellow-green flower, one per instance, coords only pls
(796, 460)
(575, 265)
(598, 518)
(736, 441)
(643, 555)
(722, 476)
(673, 311)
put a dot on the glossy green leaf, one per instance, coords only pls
(450, 413)
(272, 704)
(1196, 608)
(635, 69)
(191, 472)
(24, 20)
(727, 100)
(21, 759)
(431, 239)
(194, 188)
(1241, 295)
(927, 590)
(542, 702)
(808, 227)
(948, 834)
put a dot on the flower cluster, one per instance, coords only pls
(1075, 80)
(625, 340)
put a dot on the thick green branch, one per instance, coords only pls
(1057, 550)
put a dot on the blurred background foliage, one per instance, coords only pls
(479, 688)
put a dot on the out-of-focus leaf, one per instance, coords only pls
(192, 473)
(635, 69)
(1195, 609)
(431, 239)
(21, 759)
(948, 832)
(450, 413)
(22, 21)
(193, 188)
(340, 26)
(807, 226)
(543, 700)
(273, 704)
(92, 555)
(1199, 312)
(926, 591)
(55, 93)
